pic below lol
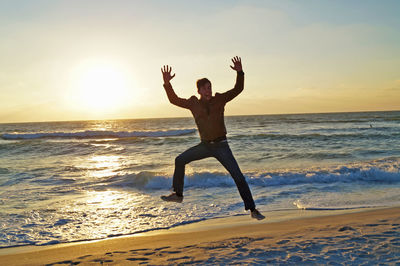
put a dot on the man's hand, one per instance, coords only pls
(166, 72)
(237, 64)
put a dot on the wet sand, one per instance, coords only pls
(356, 237)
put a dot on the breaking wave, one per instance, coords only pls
(98, 134)
(341, 174)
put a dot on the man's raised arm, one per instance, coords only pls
(239, 85)
(173, 98)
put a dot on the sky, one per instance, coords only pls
(81, 60)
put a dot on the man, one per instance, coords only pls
(208, 112)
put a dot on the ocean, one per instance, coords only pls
(70, 181)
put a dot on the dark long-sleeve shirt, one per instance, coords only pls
(208, 115)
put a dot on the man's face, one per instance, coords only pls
(205, 91)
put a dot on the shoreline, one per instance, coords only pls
(277, 227)
(202, 225)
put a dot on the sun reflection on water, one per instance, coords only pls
(103, 165)
(108, 211)
(105, 199)
(112, 212)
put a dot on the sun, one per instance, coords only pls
(100, 87)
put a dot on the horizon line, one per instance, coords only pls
(172, 117)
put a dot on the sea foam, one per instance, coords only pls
(341, 174)
(98, 134)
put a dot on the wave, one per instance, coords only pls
(316, 136)
(98, 134)
(343, 174)
(355, 129)
(299, 206)
(91, 134)
(334, 118)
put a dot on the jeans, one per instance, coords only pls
(220, 151)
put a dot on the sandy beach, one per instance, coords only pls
(356, 237)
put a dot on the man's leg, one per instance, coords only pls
(197, 152)
(224, 155)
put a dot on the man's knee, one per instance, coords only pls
(180, 160)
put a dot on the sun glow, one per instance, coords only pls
(100, 87)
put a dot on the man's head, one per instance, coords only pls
(204, 88)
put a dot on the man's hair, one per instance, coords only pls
(201, 82)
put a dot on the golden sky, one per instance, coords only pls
(78, 60)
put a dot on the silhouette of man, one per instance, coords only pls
(208, 113)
